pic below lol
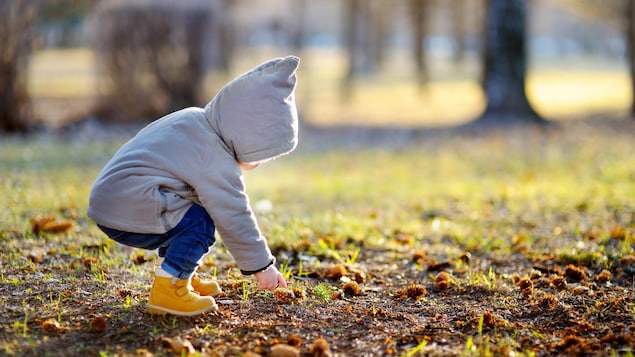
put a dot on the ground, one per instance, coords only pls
(491, 259)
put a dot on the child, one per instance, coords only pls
(179, 179)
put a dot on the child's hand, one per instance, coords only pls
(269, 279)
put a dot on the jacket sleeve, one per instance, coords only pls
(220, 188)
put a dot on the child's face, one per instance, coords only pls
(248, 166)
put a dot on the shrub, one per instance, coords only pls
(151, 56)
(17, 38)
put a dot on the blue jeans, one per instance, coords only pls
(182, 247)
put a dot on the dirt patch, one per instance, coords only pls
(60, 305)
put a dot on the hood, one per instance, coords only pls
(255, 113)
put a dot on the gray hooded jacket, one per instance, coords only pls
(191, 156)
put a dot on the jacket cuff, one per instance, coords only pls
(252, 272)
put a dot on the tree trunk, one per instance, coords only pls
(418, 10)
(505, 64)
(17, 19)
(298, 33)
(630, 46)
(363, 37)
(351, 23)
(378, 24)
(153, 57)
(459, 12)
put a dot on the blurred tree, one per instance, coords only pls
(418, 10)
(461, 11)
(620, 13)
(65, 16)
(298, 33)
(624, 12)
(365, 31)
(152, 55)
(17, 38)
(223, 46)
(505, 64)
(630, 48)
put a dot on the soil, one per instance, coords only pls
(387, 303)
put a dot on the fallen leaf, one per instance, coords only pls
(57, 226)
(335, 272)
(283, 350)
(351, 288)
(179, 345)
(51, 326)
(284, 295)
(320, 348)
(295, 341)
(48, 224)
(35, 256)
(98, 324)
(251, 354)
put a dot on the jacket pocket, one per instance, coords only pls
(172, 201)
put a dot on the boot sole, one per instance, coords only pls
(158, 310)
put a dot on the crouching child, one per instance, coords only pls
(179, 179)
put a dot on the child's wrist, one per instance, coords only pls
(252, 272)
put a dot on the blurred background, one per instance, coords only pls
(397, 63)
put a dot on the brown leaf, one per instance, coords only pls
(38, 222)
(320, 348)
(51, 326)
(295, 341)
(48, 224)
(35, 256)
(351, 288)
(283, 350)
(251, 354)
(284, 295)
(179, 345)
(433, 266)
(57, 226)
(98, 324)
(89, 262)
(335, 272)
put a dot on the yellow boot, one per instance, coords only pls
(175, 296)
(205, 287)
